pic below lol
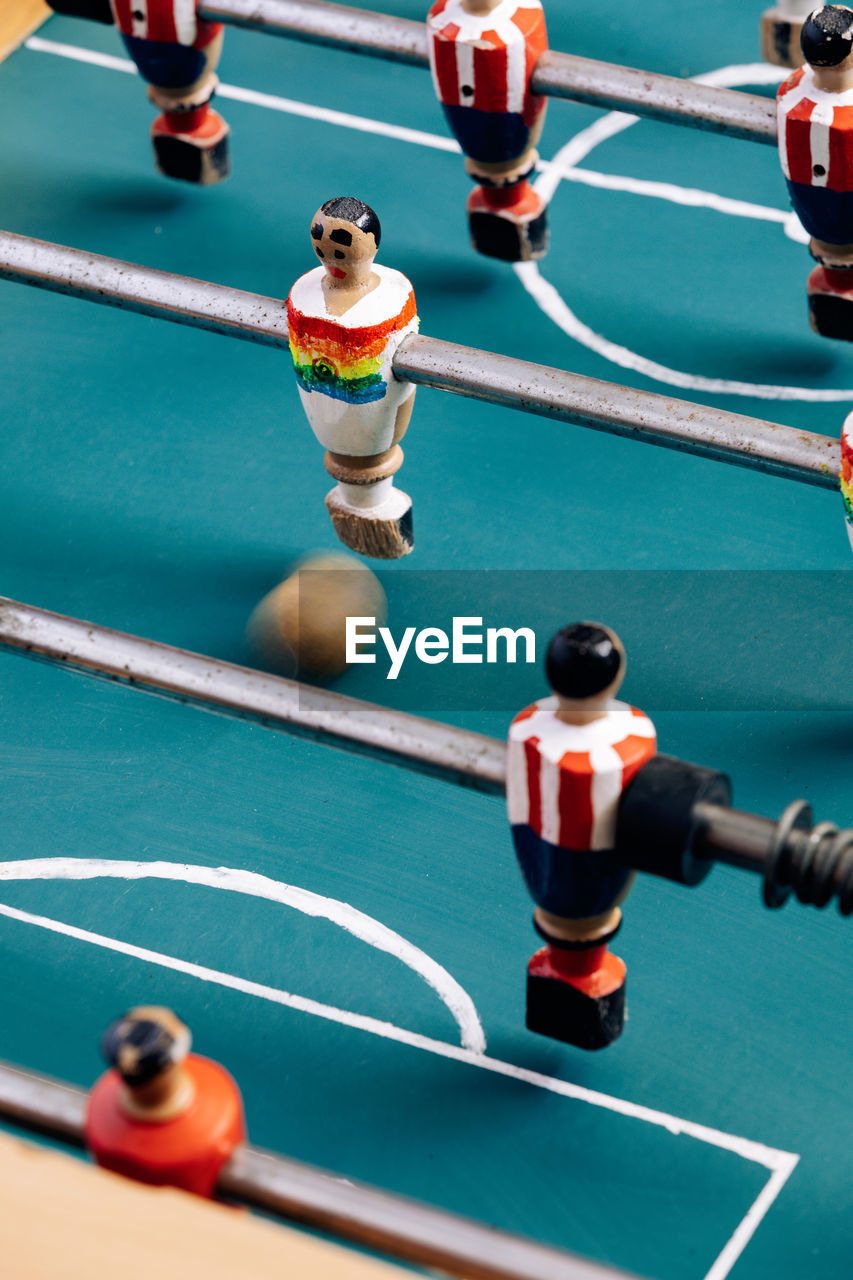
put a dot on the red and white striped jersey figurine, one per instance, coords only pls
(177, 53)
(565, 780)
(569, 759)
(815, 128)
(482, 55)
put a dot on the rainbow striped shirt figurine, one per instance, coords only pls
(346, 318)
(847, 472)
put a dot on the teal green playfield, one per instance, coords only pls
(161, 480)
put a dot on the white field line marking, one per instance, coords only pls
(268, 100)
(746, 1230)
(362, 926)
(587, 177)
(780, 1163)
(553, 305)
(562, 167)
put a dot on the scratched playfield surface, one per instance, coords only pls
(160, 480)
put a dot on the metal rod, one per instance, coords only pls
(160, 294)
(732, 836)
(657, 97)
(396, 1226)
(817, 862)
(558, 75)
(353, 1211)
(604, 406)
(426, 746)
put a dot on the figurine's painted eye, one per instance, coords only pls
(319, 252)
(339, 253)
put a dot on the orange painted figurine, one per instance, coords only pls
(346, 319)
(570, 757)
(815, 114)
(161, 1114)
(482, 55)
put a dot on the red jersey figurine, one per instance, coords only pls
(815, 118)
(177, 53)
(569, 759)
(482, 55)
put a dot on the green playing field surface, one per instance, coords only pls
(160, 480)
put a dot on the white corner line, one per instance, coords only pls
(780, 1163)
(743, 1233)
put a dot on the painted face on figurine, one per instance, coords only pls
(344, 250)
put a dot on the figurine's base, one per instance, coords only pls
(515, 233)
(780, 38)
(201, 156)
(587, 1011)
(831, 304)
(383, 533)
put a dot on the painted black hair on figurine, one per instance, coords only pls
(139, 1049)
(350, 209)
(827, 36)
(582, 659)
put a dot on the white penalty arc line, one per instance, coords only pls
(554, 306)
(562, 168)
(356, 922)
(780, 1163)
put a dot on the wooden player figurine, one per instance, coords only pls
(346, 319)
(482, 55)
(162, 1115)
(815, 114)
(847, 472)
(569, 759)
(177, 53)
(780, 32)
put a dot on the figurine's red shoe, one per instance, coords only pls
(192, 146)
(510, 223)
(576, 995)
(831, 303)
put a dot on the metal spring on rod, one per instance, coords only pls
(815, 863)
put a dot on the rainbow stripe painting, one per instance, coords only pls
(847, 472)
(348, 357)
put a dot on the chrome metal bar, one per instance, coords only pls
(606, 406)
(37, 1102)
(378, 35)
(558, 75)
(360, 1214)
(554, 393)
(125, 285)
(657, 97)
(729, 835)
(469, 759)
